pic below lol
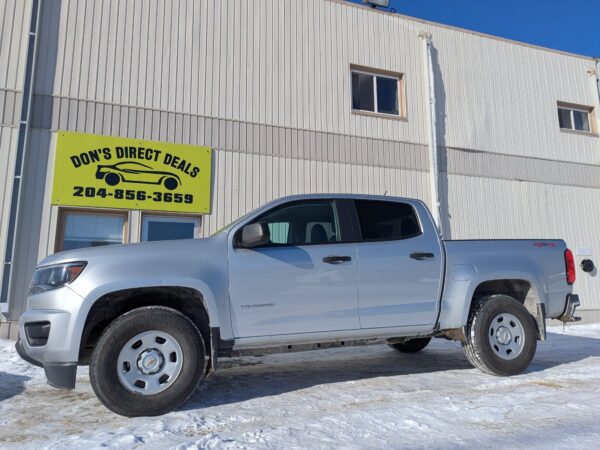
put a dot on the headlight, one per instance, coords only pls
(54, 277)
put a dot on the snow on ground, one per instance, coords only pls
(362, 397)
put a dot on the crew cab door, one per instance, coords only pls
(400, 262)
(304, 280)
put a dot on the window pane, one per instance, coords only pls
(387, 95)
(564, 118)
(303, 223)
(279, 232)
(380, 220)
(362, 92)
(581, 119)
(92, 230)
(168, 231)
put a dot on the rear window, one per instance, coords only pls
(386, 221)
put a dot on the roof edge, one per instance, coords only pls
(466, 30)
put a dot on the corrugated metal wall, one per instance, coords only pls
(275, 62)
(266, 83)
(499, 97)
(14, 24)
(489, 208)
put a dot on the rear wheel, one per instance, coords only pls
(148, 362)
(501, 336)
(412, 346)
(171, 183)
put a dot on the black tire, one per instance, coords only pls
(477, 346)
(112, 179)
(171, 183)
(412, 346)
(103, 366)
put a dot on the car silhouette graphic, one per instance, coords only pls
(135, 172)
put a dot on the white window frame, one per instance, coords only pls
(168, 218)
(582, 109)
(374, 73)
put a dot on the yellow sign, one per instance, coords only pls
(113, 172)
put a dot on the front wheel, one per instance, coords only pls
(501, 336)
(112, 179)
(148, 362)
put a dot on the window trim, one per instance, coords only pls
(62, 219)
(341, 215)
(399, 76)
(168, 217)
(359, 237)
(571, 107)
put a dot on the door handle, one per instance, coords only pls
(421, 256)
(336, 259)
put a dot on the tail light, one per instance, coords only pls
(570, 266)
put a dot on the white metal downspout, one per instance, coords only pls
(598, 86)
(429, 78)
(23, 134)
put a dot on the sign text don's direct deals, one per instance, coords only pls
(112, 172)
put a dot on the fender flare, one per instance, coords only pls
(540, 311)
(202, 288)
(455, 314)
(207, 294)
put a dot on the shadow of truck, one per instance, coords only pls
(241, 379)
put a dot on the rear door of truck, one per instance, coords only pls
(400, 264)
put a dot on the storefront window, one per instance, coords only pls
(82, 229)
(166, 228)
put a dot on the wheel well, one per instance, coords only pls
(520, 290)
(110, 306)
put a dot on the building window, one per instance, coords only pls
(376, 92)
(575, 118)
(80, 229)
(168, 227)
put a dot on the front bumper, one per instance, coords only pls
(571, 305)
(66, 312)
(59, 375)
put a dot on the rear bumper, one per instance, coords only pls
(571, 305)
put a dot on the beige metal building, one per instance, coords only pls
(294, 96)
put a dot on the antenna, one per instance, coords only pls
(378, 3)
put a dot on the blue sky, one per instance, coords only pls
(572, 26)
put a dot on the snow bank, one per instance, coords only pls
(365, 397)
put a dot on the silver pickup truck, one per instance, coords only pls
(300, 273)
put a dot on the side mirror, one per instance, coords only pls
(253, 235)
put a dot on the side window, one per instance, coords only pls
(280, 232)
(386, 221)
(303, 223)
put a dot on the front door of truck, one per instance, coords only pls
(303, 281)
(400, 264)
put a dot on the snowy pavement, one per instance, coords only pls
(363, 397)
